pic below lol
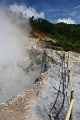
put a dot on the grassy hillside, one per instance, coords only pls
(67, 35)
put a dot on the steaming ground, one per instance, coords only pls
(15, 76)
(14, 80)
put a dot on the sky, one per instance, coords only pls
(55, 11)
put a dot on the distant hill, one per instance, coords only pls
(67, 35)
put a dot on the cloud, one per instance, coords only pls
(77, 6)
(68, 21)
(28, 10)
(73, 13)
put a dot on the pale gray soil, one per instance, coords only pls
(36, 103)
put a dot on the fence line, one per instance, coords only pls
(65, 73)
(69, 115)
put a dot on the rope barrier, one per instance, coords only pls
(66, 82)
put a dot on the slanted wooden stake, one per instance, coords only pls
(69, 111)
(72, 97)
(69, 115)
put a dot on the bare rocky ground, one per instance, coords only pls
(37, 103)
(75, 79)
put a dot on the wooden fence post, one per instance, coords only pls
(72, 97)
(68, 76)
(68, 62)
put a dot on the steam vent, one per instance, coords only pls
(41, 88)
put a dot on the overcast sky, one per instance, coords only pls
(53, 10)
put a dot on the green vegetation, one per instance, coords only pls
(67, 35)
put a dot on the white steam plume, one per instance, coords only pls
(13, 38)
(28, 10)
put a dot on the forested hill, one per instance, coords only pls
(67, 35)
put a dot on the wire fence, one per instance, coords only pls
(66, 87)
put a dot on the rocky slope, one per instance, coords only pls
(45, 98)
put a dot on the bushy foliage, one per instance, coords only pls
(67, 35)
